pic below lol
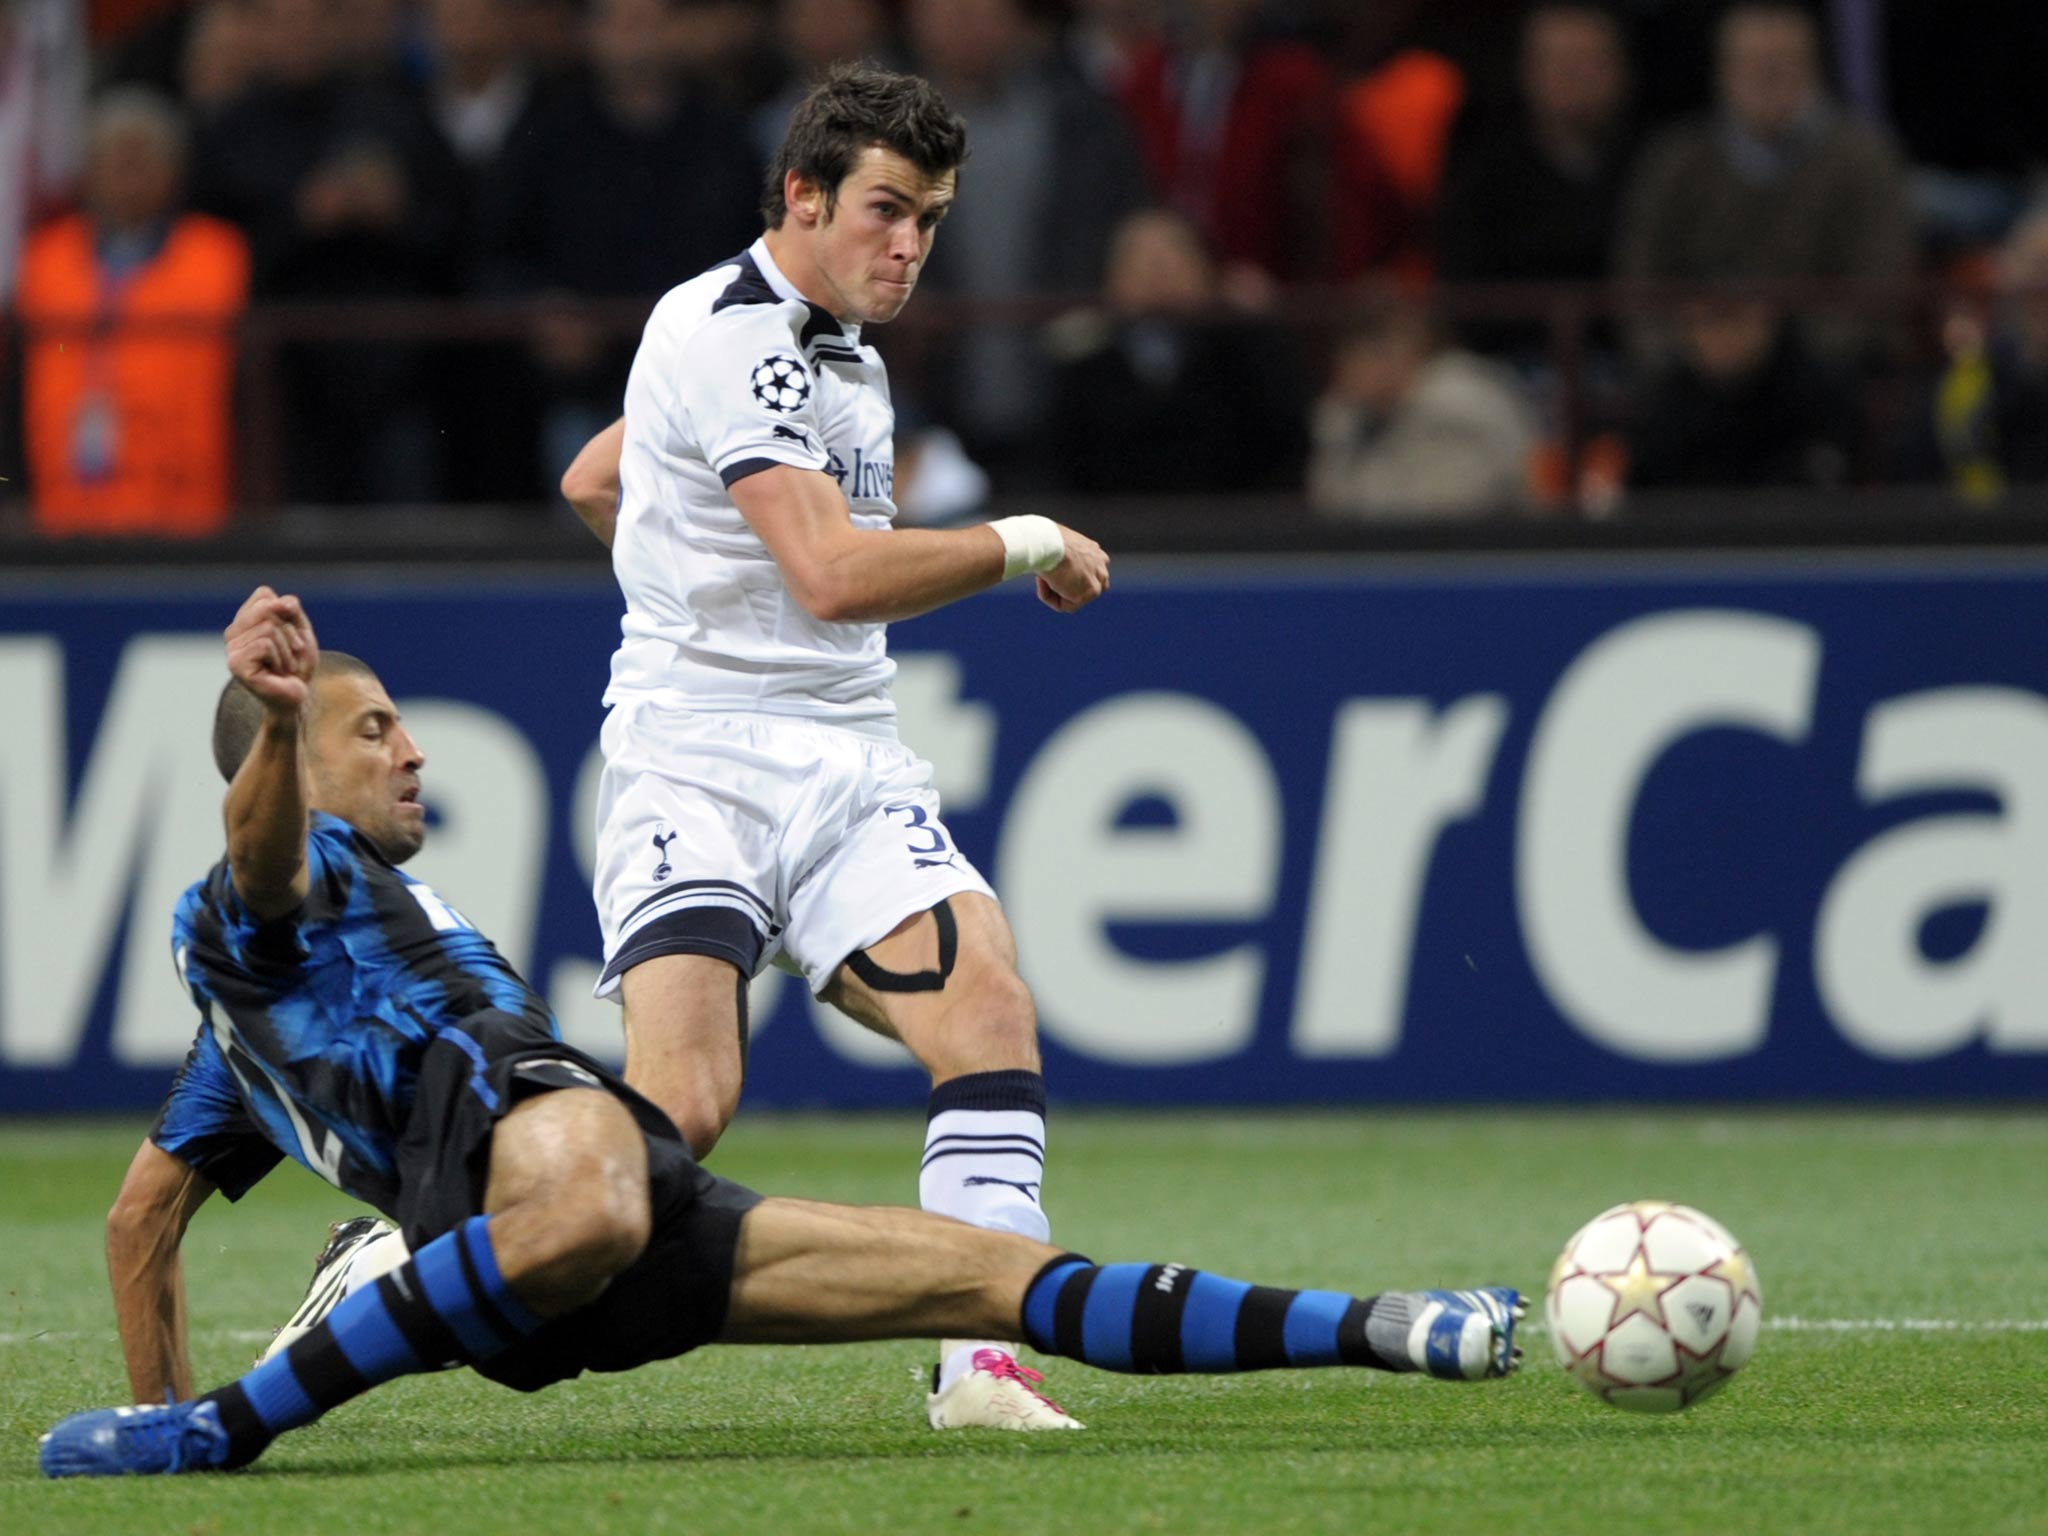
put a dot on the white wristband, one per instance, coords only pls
(1030, 543)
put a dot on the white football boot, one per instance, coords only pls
(995, 1392)
(357, 1252)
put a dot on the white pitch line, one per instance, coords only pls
(1905, 1325)
(211, 1335)
(1883, 1325)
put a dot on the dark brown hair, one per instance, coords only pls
(856, 107)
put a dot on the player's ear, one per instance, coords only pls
(804, 197)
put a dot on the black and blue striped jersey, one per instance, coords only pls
(313, 1024)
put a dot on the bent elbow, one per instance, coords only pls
(586, 493)
(828, 597)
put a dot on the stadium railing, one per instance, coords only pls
(1581, 377)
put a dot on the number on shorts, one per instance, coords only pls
(918, 821)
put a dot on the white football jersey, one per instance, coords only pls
(737, 372)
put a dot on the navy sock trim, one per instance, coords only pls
(431, 1339)
(246, 1435)
(1353, 1348)
(1069, 1314)
(1010, 1089)
(1042, 1295)
(1262, 1329)
(327, 1375)
(1155, 1324)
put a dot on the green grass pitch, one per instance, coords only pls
(1856, 1220)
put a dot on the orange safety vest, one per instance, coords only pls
(128, 429)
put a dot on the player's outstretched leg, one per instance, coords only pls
(1165, 1319)
(824, 1273)
(570, 1210)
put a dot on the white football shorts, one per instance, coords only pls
(762, 838)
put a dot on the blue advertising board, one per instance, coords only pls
(1438, 829)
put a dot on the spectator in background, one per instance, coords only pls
(127, 395)
(42, 118)
(332, 168)
(219, 56)
(369, 39)
(1053, 170)
(1157, 391)
(1106, 37)
(1990, 414)
(631, 180)
(483, 84)
(483, 91)
(727, 48)
(1412, 428)
(1533, 198)
(811, 36)
(273, 159)
(1778, 184)
(1742, 403)
(1237, 128)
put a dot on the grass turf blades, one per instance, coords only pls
(1853, 1218)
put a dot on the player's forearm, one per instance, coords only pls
(149, 1309)
(877, 576)
(144, 1231)
(267, 813)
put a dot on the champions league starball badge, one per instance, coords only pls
(781, 384)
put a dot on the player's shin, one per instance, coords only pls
(1164, 1319)
(984, 1162)
(449, 1302)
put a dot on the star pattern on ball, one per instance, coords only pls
(1638, 1288)
(781, 383)
(1736, 1270)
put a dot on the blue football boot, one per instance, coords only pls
(1466, 1335)
(118, 1442)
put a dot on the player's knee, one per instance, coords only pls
(596, 1209)
(603, 1221)
(701, 1114)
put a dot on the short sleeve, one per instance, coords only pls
(278, 943)
(749, 397)
(205, 1125)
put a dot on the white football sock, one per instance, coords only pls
(984, 1163)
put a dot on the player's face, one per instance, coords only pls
(871, 246)
(366, 766)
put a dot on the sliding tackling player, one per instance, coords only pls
(350, 1018)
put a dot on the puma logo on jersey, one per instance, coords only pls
(794, 434)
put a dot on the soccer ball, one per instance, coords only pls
(1653, 1306)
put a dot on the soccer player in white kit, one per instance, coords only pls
(756, 804)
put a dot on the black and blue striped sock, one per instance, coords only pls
(448, 1303)
(1166, 1319)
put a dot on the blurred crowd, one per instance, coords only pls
(1404, 258)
